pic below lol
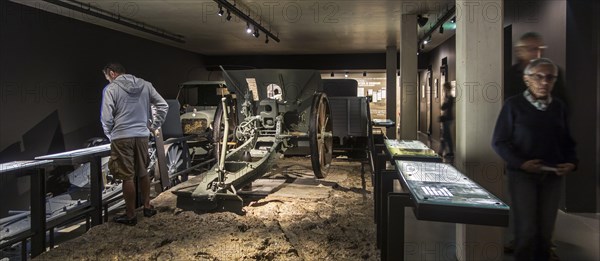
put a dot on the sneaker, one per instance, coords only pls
(123, 219)
(148, 212)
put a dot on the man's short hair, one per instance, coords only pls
(528, 36)
(114, 67)
(537, 62)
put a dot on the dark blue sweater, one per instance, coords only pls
(524, 133)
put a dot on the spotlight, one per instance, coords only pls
(346, 75)
(453, 20)
(221, 12)
(332, 74)
(248, 30)
(267, 39)
(442, 29)
(422, 20)
(228, 15)
(427, 40)
(256, 33)
(364, 74)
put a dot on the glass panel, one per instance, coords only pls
(440, 183)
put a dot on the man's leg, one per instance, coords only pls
(523, 192)
(129, 196)
(548, 210)
(121, 165)
(145, 187)
(142, 159)
(448, 137)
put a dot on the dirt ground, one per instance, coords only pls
(304, 219)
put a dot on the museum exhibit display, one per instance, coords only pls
(265, 112)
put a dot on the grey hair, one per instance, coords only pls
(537, 62)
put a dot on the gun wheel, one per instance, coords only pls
(320, 135)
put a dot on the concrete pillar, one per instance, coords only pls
(391, 61)
(479, 75)
(408, 77)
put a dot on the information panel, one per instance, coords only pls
(410, 150)
(441, 193)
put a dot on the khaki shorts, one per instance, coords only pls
(129, 158)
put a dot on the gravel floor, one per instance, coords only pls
(305, 219)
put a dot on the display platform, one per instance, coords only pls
(442, 193)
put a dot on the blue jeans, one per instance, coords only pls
(535, 199)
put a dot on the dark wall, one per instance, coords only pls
(547, 18)
(583, 83)
(50, 71)
(434, 59)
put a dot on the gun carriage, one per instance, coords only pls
(265, 112)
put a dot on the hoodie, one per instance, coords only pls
(126, 111)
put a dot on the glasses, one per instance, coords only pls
(540, 76)
(534, 48)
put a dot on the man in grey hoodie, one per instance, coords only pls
(127, 120)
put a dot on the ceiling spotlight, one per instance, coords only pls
(267, 39)
(248, 30)
(221, 12)
(442, 29)
(346, 75)
(453, 20)
(256, 33)
(332, 74)
(364, 74)
(427, 40)
(228, 15)
(422, 20)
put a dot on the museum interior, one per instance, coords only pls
(296, 129)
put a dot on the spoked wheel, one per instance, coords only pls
(218, 126)
(320, 135)
(174, 158)
(151, 165)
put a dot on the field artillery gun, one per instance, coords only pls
(266, 112)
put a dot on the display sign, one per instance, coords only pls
(253, 88)
(410, 150)
(440, 192)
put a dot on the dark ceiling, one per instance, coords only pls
(303, 26)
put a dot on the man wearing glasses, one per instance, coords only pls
(530, 46)
(533, 137)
